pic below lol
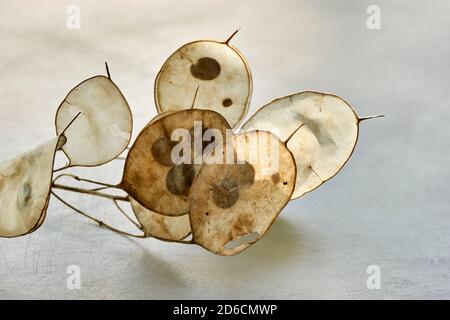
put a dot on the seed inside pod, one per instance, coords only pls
(226, 193)
(179, 179)
(161, 226)
(162, 151)
(321, 131)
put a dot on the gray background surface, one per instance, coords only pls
(389, 206)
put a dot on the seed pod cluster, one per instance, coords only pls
(188, 174)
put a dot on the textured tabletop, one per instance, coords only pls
(388, 207)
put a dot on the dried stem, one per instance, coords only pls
(127, 216)
(107, 70)
(90, 192)
(100, 223)
(75, 177)
(174, 241)
(231, 37)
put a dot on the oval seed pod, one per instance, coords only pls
(103, 130)
(321, 131)
(161, 226)
(217, 69)
(25, 183)
(233, 205)
(151, 177)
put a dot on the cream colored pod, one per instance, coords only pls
(25, 184)
(103, 130)
(216, 69)
(321, 131)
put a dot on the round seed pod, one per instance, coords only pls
(103, 130)
(321, 131)
(151, 177)
(233, 205)
(161, 226)
(216, 69)
(25, 183)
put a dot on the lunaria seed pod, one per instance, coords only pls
(232, 205)
(217, 69)
(152, 177)
(25, 183)
(321, 131)
(103, 130)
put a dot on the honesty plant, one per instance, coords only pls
(181, 185)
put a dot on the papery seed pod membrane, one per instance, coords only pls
(103, 130)
(216, 69)
(152, 177)
(320, 129)
(233, 205)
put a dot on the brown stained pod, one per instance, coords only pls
(233, 205)
(161, 226)
(25, 183)
(151, 177)
(103, 130)
(217, 69)
(321, 131)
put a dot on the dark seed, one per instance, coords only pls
(206, 69)
(227, 102)
(226, 193)
(179, 179)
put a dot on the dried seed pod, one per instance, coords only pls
(161, 226)
(151, 176)
(217, 69)
(25, 183)
(320, 130)
(233, 205)
(103, 131)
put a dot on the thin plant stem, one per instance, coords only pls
(62, 168)
(107, 70)
(231, 36)
(127, 216)
(70, 123)
(195, 97)
(90, 192)
(100, 223)
(75, 177)
(107, 226)
(371, 117)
